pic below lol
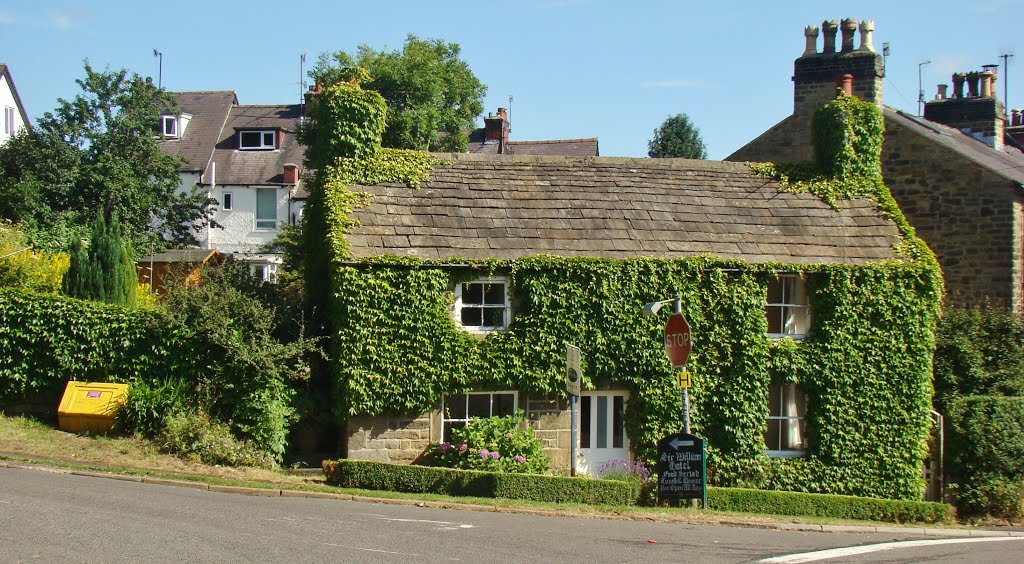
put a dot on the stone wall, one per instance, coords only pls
(390, 438)
(552, 422)
(964, 211)
(405, 440)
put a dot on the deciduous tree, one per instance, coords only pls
(99, 151)
(432, 94)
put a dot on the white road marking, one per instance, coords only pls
(869, 548)
(367, 549)
(447, 525)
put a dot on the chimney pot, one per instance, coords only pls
(973, 83)
(844, 84)
(811, 37)
(828, 31)
(1015, 117)
(986, 84)
(849, 29)
(867, 31)
(941, 95)
(291, 173)
(958, 84)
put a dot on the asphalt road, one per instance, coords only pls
(49, 516)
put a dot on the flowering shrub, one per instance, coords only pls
(195, 435)
(493, 444)
(624, 470)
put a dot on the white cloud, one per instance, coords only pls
(6, 19)
(66, 18)
(672, 83)
(558, 4)
(994, 6)
(946, 65)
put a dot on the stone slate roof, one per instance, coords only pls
(1008, 163)
(209, 111)
(212, 135)
(5, 71)
(509, 206)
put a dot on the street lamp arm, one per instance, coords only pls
(654, 307)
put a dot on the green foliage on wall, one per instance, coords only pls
(865, 365)
(342, 120)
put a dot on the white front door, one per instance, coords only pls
(602, 433)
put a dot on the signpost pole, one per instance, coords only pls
(572, 435)
(686, 410)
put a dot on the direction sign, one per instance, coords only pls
(682, 468)
(573, 374)
(677, 340)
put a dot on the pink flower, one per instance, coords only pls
(495, 456)
(519, 458)
(443, 447)
(484, 453)
(463, 447)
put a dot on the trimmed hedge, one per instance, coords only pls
(560, 489)
(448, 481)
(832, 506)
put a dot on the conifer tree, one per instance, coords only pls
(106, 270)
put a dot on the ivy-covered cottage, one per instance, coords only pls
(453, 283)
(812, 324)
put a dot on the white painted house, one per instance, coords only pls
(14, 119)
(245, 157)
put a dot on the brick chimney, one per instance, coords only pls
(291, 174)
(978, 113)
(496, 129)
(816, 75)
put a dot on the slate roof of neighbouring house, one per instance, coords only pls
(1008, 162)
(209, 111)
(212, 136)
(258, 167)
(5, 71)
(509, 206)
(556, 147)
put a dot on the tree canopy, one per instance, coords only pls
(99, 151)
(677, 137)
(432, 94)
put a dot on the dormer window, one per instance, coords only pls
(257, 140)
(170, 126)
(173, 126)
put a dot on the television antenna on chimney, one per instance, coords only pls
(1006, 56)
(301, 83)
(920, 88)
(510, 114)
(160, 72)
(885, 55)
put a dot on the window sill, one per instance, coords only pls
(795, 337)
(786, 453)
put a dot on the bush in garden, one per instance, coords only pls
(195, 435)
(147, 405)
(493, 444)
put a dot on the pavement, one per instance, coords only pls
(936, 531)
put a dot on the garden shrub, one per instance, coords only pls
(146, 406)
(195, 435)
(27, 268)
(986, 455)
(493, 444)
(475, 483)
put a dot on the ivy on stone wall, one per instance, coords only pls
(865, 365)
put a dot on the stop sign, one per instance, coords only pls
(677, 340)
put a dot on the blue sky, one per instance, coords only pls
(575, 68)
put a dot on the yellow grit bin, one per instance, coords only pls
(90, 406)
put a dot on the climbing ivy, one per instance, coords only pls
(864, 365)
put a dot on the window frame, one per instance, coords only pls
(265, 271)
(173, 120)
(789, 306)
(265, 226)
(9, 120)
(228, 202)
(506, 306)
(446, 421)
(263, 145)
(800, 399)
